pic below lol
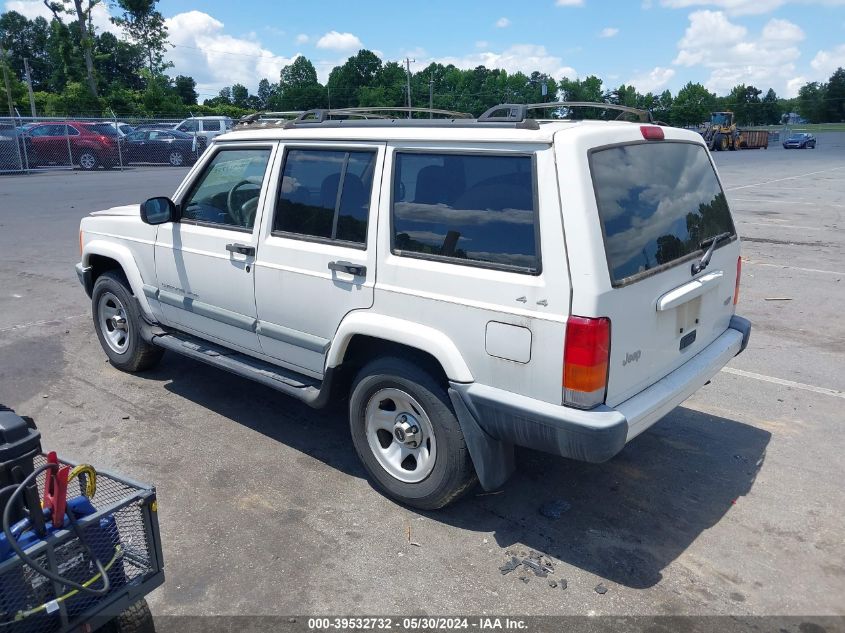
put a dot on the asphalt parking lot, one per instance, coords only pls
(733, 504)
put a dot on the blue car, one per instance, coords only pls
(800, 141)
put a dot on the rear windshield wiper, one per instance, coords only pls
(702, 263)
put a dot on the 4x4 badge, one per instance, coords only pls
(632, 358)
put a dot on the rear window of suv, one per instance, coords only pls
(657, 203)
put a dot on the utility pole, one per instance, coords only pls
(431, 95)
(6, 81)
(29, 87)
(408, 76)
(329, 92)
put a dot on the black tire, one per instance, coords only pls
(453, 473)
(136, 619)
(135, 354)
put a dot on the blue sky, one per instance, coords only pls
(654, 44)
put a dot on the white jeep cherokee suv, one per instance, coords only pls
(469, 284)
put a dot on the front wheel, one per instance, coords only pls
(117, 321)
(407, 436)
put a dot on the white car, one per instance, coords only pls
(206, 127)
(470, 285)
(123, 129)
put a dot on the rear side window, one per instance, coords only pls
(474, 209)
(325, 194)
(106, 129)
(657, 203)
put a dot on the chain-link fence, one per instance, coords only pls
(28, 144)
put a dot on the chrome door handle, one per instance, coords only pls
(242, 249)
(348, 267)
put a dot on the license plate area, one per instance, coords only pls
(687, 340)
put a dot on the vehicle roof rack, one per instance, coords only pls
(264, 116)
(517, 112)
(321, 115)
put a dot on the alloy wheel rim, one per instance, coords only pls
(400, 435)
(87, 161)
(175, 158)
(113, 321)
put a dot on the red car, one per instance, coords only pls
(89, 145)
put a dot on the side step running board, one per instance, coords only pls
(311, 391)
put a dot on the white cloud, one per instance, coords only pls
(31, 9)
(745, 7)
(825, 63)
(609, 31)
(569, 3)
(216, 59)
(502, 23)
(339, 41)
(653, 80)
(793, 86)
(519, 57)
(734, 56)
(482, 44)
(302, 38)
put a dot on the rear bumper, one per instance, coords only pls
(598, 434)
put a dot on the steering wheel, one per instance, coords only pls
(237, 215)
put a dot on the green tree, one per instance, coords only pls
(771, 109)
(298, 87)
(240, 95)
(119, 63)
(663, 107)
(186, 89)
(811, 102)
(836, 96)
(81, 9)
(744, 101)
(692, 105)
(264, 94)
(346, 81)
(26, 39)
(145, 26)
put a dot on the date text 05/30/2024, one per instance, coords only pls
(416, 623)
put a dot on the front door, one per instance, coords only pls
(205, 262)
(316, 260)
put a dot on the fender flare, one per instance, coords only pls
(124, 257)
(421, 337)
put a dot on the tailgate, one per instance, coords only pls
(659, 206)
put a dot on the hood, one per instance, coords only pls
(127, 209)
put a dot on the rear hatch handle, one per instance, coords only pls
(689, 291)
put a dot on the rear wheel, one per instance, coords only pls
(724, 143)
(88, 160)
(117, 321)
(176, 158)
(407, 436)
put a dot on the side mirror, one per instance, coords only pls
(159, 210)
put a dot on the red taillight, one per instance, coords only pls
(585, 356)
(738, 275)
(652, 132)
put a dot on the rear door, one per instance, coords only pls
(317, 254)
(650, 211)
